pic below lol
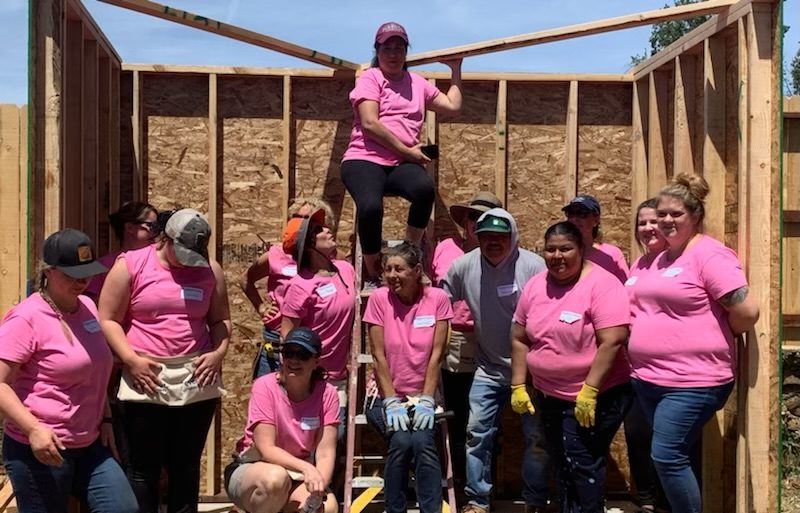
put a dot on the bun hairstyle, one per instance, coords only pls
(129, 212)
(692, 190)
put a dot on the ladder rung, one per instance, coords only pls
(367, 482)
(364, 358)
(369, 459)
(361, 420)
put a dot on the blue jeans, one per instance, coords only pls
(677, 416)
(264, 362)
(403, 447)
(579, 453)
(486, 402)
(89, 473)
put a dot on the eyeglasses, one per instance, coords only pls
(295, 354)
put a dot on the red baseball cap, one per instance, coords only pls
(390, 29)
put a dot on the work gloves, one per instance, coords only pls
(396, 414)
(424, 412)
(585, 405)
(520, 400)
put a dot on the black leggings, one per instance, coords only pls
(367, 182)
(173, 436)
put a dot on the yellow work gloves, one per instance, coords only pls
(585, 404)
(520, 400)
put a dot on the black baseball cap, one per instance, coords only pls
(71, 252)
(304, 337)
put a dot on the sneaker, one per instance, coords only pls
(474, 508)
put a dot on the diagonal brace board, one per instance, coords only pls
(571, 31)
(240, 34)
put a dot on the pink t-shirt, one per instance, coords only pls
(96, 283)
(168, 306)
(282, 268)
(408, 332)
(326, 304)
(560, 322)
(62, 383)
(444, 253)
(298, 426)
(681, 336)
(401, 109)
(610, 258)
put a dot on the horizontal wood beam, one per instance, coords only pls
(488, 76)
(240, 34)
(791, 106)
(695, 37)
(571, 31)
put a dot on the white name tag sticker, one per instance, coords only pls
(630, 281)
(424, 321)
(309, 423)
(671, 271)
(92, 326)
(506, 290)
(569, 317)
(326, 290)
(192, 294)
(289, 270)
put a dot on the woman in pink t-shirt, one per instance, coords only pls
(278, 267)
(584, 212)
(54, 368)
(638, 432)
(686, 311)
(285, 460)
(135, 226)
(385, 155)
(407, 323)
(164, 310)
(570, 327)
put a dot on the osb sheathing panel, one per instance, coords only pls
(467, 152)
(322, 119)
(175, 112)
(604, 156)
(536, 117)
(604, 171)
(250, 145)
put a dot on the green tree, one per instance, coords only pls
(667, 32)
(794, 74)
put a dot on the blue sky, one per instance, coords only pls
(346, 28)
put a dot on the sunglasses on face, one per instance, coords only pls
(150, 225)
(583, 214)
(296, 354)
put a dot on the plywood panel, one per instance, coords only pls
(249, 117)
(175, 111)
(11, 205)
(537, 116)
(467, 152)
(604, 156)
(322, 121)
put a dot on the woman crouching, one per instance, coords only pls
(284, 461)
